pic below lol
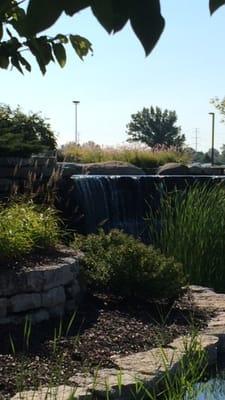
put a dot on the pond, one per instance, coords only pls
(213, 389)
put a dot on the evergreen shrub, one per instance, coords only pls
(127, 267)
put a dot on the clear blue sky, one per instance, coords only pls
(185, 70)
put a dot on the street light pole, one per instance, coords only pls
(213, 134)
(76, 102)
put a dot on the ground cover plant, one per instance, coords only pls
(190, 226)
(127, 267)
(145, 158)
(25, 228)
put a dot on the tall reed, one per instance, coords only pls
(139, 156)
(190, 226)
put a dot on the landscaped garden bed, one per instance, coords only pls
(104, 326)
(136, 299)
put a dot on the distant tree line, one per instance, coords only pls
(201, 157)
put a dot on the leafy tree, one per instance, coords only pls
(155, 127)
(217, 157)
(220, 106)
(22, 21)
(222, 157)
(22, 135)
(199, 156)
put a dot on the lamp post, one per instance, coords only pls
(213, 134)
(76, 102)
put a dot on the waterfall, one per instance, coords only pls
(92, 201)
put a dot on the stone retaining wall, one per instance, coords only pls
(41, 293)
(17, 174)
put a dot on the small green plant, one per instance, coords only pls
(25, 228)
(190, 226)
(127, 267)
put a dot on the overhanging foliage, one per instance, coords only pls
(22, 21)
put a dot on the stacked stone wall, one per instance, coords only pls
(20, 174)
(40, 293)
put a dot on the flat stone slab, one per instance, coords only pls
(62, 392)
(207, 299)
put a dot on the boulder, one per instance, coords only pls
(101, 168)
(173, 169)
(112, 168)
(68, 169)
(196, 170)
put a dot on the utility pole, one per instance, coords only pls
(196, 140)
(213, 135)
(76, 102)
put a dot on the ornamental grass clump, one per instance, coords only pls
(190, 226)
(145, 158)
(127, 267)
(25, 228)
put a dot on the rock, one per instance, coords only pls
(73, 291)
(24, 302)
(41, 278)
(112, 168)
(101, 168)
(196, 170)
(152, 363)
(206, 342)
(62, 392)
(34, 280)
(61, 274)
(3, 307)
(53, 297)
(173, 169)
(57, 311)
(38, 316)
(68, 169)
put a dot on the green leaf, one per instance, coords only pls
(4, 61)
(147, 22)
(15, 62)
(41, 14)
(5, 5)
(215, 4)
(60, 53)
(25, 63)
(71, 7)
(121, 14)
(103, 11)
(41, 49)
(19, 22)
(81, 45)
(61, 38)
(45, 50)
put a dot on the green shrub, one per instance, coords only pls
(25, 228)
(192, 229)
(22, 135)
(127, 267)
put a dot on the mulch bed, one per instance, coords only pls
(102, 327)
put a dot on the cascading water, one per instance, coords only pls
(118, 201)
(111, 202)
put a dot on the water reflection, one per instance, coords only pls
(214, 389)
